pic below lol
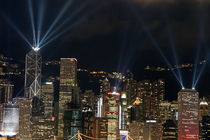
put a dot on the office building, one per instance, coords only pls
(25, 111)
(188, 114)
(33, 65)
(68, 80)
(48, 99)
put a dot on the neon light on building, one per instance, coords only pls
(112, 115)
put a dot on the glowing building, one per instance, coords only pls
(188, 115)
(6, 91)
(136, 130)
(9, 120)
(68, 80)
(112, 114)
(33, 64)
(203, 108)
(136, 111)
(165, 111)
(105, 86)
(100, 128)
(25, 110)
(73, 116)
(130, 87)
(169, 130)
(99, 113)
(43, 129)
(152, 95)
(48, 98)
(152, 130)
(123, 112)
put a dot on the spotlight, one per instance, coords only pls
(36, 48)
(193, 88)
(183, 88)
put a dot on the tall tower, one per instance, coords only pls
(33, 64)
(188, 116)
(112, 108)
(68, 82)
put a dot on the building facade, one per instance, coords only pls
(33, 66)
(188, 114)
(25, 111)
(68, 80)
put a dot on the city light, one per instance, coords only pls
(36, 48)
(59, 97)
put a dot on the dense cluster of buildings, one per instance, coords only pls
(57, 109)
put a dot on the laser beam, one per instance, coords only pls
(20, 33)
(155, 43)
(31, 15)
(69, 28)
(58, 17)
(172, 44)
(201, 43)
(56, 30)
(199, 75)
(40, 19)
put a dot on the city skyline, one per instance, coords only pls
(104, 70)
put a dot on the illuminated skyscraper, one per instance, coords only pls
(68, 81)
(152, 130)
(25, 118)
(123, 112)
(165, 111)
(188, 115)
(152, 94)
(43, 129)
(112, 109)
(6, 91)
(9, 119)
(130, 87)
(48, 98)
(33, 64)
(105, 86)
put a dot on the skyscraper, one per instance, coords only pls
(9, 119)
(25, 118)
(68, 80)
(33, 64)
(188, 116)
(48, 98)
(6, 91)
(203, 108)
(112, 114)
(152, 94)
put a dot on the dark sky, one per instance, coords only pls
(116, 35)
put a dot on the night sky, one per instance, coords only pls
(117, 35)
